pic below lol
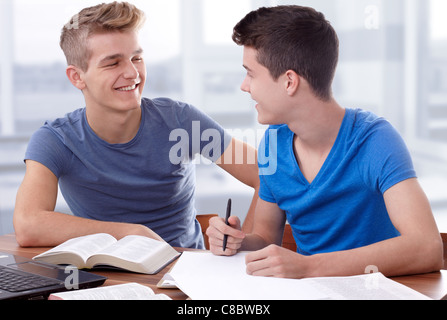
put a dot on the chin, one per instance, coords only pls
(266, 121)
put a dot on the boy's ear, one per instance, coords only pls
(74, 74)
(292, 82)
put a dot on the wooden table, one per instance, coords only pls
(433, 285)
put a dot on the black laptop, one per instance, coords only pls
(24, 279)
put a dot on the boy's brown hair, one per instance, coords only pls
(293, 38)
(111, 17)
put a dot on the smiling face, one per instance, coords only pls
(269, 94)
(116, 74)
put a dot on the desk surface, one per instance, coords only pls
(433, 285)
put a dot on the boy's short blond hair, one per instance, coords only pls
(103, 18)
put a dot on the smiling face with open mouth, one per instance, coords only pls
(116, 74)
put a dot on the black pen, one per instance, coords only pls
(227, 223)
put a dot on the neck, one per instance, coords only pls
(115, 127)
(317, 125)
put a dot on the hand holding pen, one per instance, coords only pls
(225, 235)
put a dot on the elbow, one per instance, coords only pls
(23, 238)
(434, 255)
(440, 255)
(24, 232)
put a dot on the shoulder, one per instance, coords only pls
(366, 121)
(374, 135)
(165, 105)
(366, 129)
(169, 111)
(65, 126)
(49, 145)
(69, 119)
(382, 155)
(58, 129)
(177, 114)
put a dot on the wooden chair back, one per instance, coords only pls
(204, 220)
(288, 240)
(444, 242)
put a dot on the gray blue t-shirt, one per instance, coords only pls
(343, 208)
(148, 181)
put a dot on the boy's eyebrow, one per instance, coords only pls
(138, 51)
(247, 68)
(111, 57)
(119, 56)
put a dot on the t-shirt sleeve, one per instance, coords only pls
(47, 149)
(384, 158)
(206, 136)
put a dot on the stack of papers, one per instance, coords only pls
(204, 276)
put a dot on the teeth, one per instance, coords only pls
(130, 88)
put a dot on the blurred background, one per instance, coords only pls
(393, 61)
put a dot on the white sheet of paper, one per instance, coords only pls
(204, 276)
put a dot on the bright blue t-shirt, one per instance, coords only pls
(343, 208)
(148, 181)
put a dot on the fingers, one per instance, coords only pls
(272, 261)
(258, 263)
(216, 232)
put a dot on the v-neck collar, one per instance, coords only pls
(326, 163)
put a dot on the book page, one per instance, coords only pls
(83, 246)
(128, 291)
(133, 248)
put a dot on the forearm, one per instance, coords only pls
(48, 229)
(247, 227)
(254, 242)
(394, 257)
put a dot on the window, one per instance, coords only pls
(434, 60)
(393, 62)
(219, 19)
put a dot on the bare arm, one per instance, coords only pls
(37, 224)
(240, 160)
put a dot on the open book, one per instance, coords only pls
(133, 253)
(128, 291)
